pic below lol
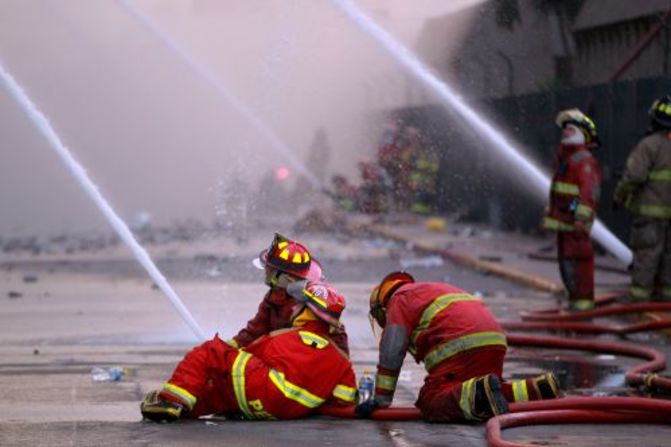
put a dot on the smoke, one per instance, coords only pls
(152, 134)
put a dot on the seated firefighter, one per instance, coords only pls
(462, 348)
(285, 261)
(287, 374)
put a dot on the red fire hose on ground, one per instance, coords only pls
(617, 309)
(640, 375)
(573, 409)
(578, 410)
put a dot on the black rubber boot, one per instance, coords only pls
(489, 400)
(547, 386)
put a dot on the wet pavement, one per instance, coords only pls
(78, 310)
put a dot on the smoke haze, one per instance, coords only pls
(151, 133)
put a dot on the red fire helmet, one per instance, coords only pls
(322, 299)
(290, 257)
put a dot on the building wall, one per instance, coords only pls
(491, 61)
(601, 51)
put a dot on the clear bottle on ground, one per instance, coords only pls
(112, 374)
(366, 386)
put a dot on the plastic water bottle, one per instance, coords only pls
(366, 386)
(113, 374)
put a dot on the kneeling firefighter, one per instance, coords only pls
(462, 348)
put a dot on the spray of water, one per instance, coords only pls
(538, 179)
(268, 135)
(42, 124)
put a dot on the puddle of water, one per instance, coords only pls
(572, 372)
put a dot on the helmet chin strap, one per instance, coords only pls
(272, 278)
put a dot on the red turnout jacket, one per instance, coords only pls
(274, 313)
(575, 189)
(434, 322)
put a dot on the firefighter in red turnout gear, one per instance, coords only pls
(461, 345)
(287, 374)
(574, 196)
(284, 262)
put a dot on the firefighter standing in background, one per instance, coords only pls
(461, 345)
(285, 261)
(375, 192)
(395, 156)
(645, 190)
(284, 375)
(344, 194)
(574, 195)
(424, 173)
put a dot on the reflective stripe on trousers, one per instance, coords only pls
(520, 391)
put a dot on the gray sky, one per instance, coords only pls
(150, 132)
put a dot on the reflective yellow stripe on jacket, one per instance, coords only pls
(180, 393)
(660, 175)
(438, 305)
(346, 393)
(584, 212)
(658, 211)
(570, 189)
(313, 340)
(462, 344)
(294, 392)
(552, 224)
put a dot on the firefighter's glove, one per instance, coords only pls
(156, 409)
(365, 409)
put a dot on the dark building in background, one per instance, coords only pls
(521, 69)
(607, 31)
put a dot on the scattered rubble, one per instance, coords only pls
(426, 261)
(30, 278)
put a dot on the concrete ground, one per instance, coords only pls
(63, 314)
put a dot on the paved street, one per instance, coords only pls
(66, 315)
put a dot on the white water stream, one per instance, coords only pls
(79, 173)
(449, 98)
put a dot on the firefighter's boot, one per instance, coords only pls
(547, 387)
(157, 409)
(489, 400)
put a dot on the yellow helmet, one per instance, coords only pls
(583, 122)
(660, 112)
(380, 295)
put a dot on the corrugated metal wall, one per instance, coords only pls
(478, 187)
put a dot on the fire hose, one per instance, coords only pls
(575, 410)
(572, 409)
(617, 309)
(639, 375)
